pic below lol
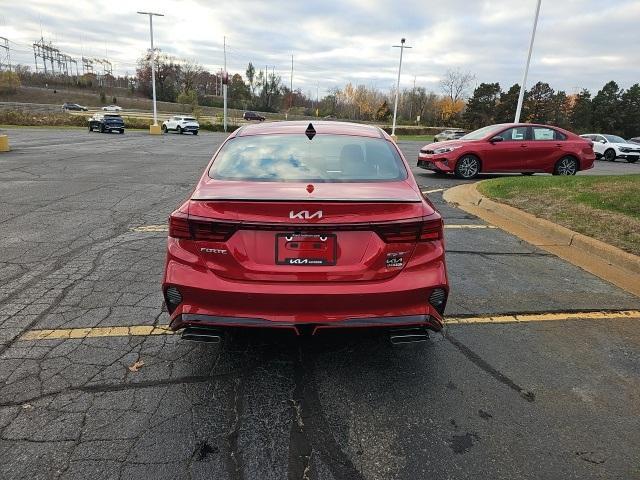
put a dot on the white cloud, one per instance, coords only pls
(580, 43)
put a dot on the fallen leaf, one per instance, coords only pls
(136, 366)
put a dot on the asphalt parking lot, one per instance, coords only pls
(517, 387)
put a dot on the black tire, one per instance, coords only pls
(610, 155)
(121, 131)
(527, 174)
(195, 132)
(101, 128)
(467, 167)
(90, 128)
(180, 130)
(164, 129)
(566, 166)
(632, 160)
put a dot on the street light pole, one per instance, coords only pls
(153, 63)
(526, 68)
(402, 46)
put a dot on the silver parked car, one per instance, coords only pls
(450, 134)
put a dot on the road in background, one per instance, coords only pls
(549, 397)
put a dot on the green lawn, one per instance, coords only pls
(416, 138)
(603, 207)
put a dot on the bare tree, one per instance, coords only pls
(455, 84)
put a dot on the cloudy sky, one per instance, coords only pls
(579, 44)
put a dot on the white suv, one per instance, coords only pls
(611, 147)
(181, 124)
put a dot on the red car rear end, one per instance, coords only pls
(306, 228)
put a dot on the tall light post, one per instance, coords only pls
(153, 67)
(402, 46)
(523, 87)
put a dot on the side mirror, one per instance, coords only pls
(496, 139)
(602, 141)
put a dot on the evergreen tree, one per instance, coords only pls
(581, 113)
(481, 107)
(630, 113)
(506, 108)
(606, 109)
(538, 105)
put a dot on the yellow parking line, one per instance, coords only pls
(151, 228)
(63, 333)
(147, 330)
(545, 317)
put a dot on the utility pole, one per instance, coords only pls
(153, 65)
(318, 99)
(523, 87)
(402, 46)
(413, 96)
(225, 80)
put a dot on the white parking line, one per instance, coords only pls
(434, 191)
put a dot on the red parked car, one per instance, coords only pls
(510, 147)
(306, 228)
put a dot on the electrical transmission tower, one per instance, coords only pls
(5, 54)
(59, 63)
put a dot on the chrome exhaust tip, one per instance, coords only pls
(201, 334)
(401, 336)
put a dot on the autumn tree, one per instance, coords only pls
(455, 85)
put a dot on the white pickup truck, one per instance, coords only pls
(181, 124)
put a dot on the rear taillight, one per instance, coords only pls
(426, 231)
(211, 231)
(180, 226)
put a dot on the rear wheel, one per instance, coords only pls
(179, 129)
(467, 167)
(566, 166)
(164, 129)
(101, 128)
(90, 128)
(610, 155)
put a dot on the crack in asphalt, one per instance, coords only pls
(310, 430)
(488, 368)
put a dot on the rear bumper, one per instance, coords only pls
(208, 299)
(433, 321)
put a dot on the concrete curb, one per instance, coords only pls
(599, 258)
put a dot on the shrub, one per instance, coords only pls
(9, 82)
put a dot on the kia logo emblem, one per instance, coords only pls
(305, 215)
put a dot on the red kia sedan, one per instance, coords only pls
(306, 227)
(510, 147)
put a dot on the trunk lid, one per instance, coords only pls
(331, 232)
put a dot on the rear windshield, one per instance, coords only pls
(295, 158)
(189, 119)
